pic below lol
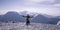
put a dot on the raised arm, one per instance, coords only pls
(23, 16)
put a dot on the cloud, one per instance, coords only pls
(58, 5)
(2, 12)
(38, 6)
(44, 10)
(39, 2)
(40, 10)
(57, 1)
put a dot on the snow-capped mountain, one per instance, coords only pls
(37, 18)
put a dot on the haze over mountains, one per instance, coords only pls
(14, 16)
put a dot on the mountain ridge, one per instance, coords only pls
(14, 16)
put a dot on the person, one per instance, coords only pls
(27, 19)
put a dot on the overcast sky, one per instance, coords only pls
(50, 7)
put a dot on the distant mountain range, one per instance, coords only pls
(43, 19)
(11, 16)
(14, 16)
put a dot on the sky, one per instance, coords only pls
(49, 7)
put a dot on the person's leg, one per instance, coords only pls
(27, 22)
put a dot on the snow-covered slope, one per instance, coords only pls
(32, 26)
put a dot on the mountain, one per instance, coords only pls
(40, 19)
(43, 19)
(1, 18)
(54, 20)
(57, 16)
(13, 16)
(48, 16)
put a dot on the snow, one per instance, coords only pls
(58, 23)
(32, 26)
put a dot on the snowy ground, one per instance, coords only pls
(32, 26)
